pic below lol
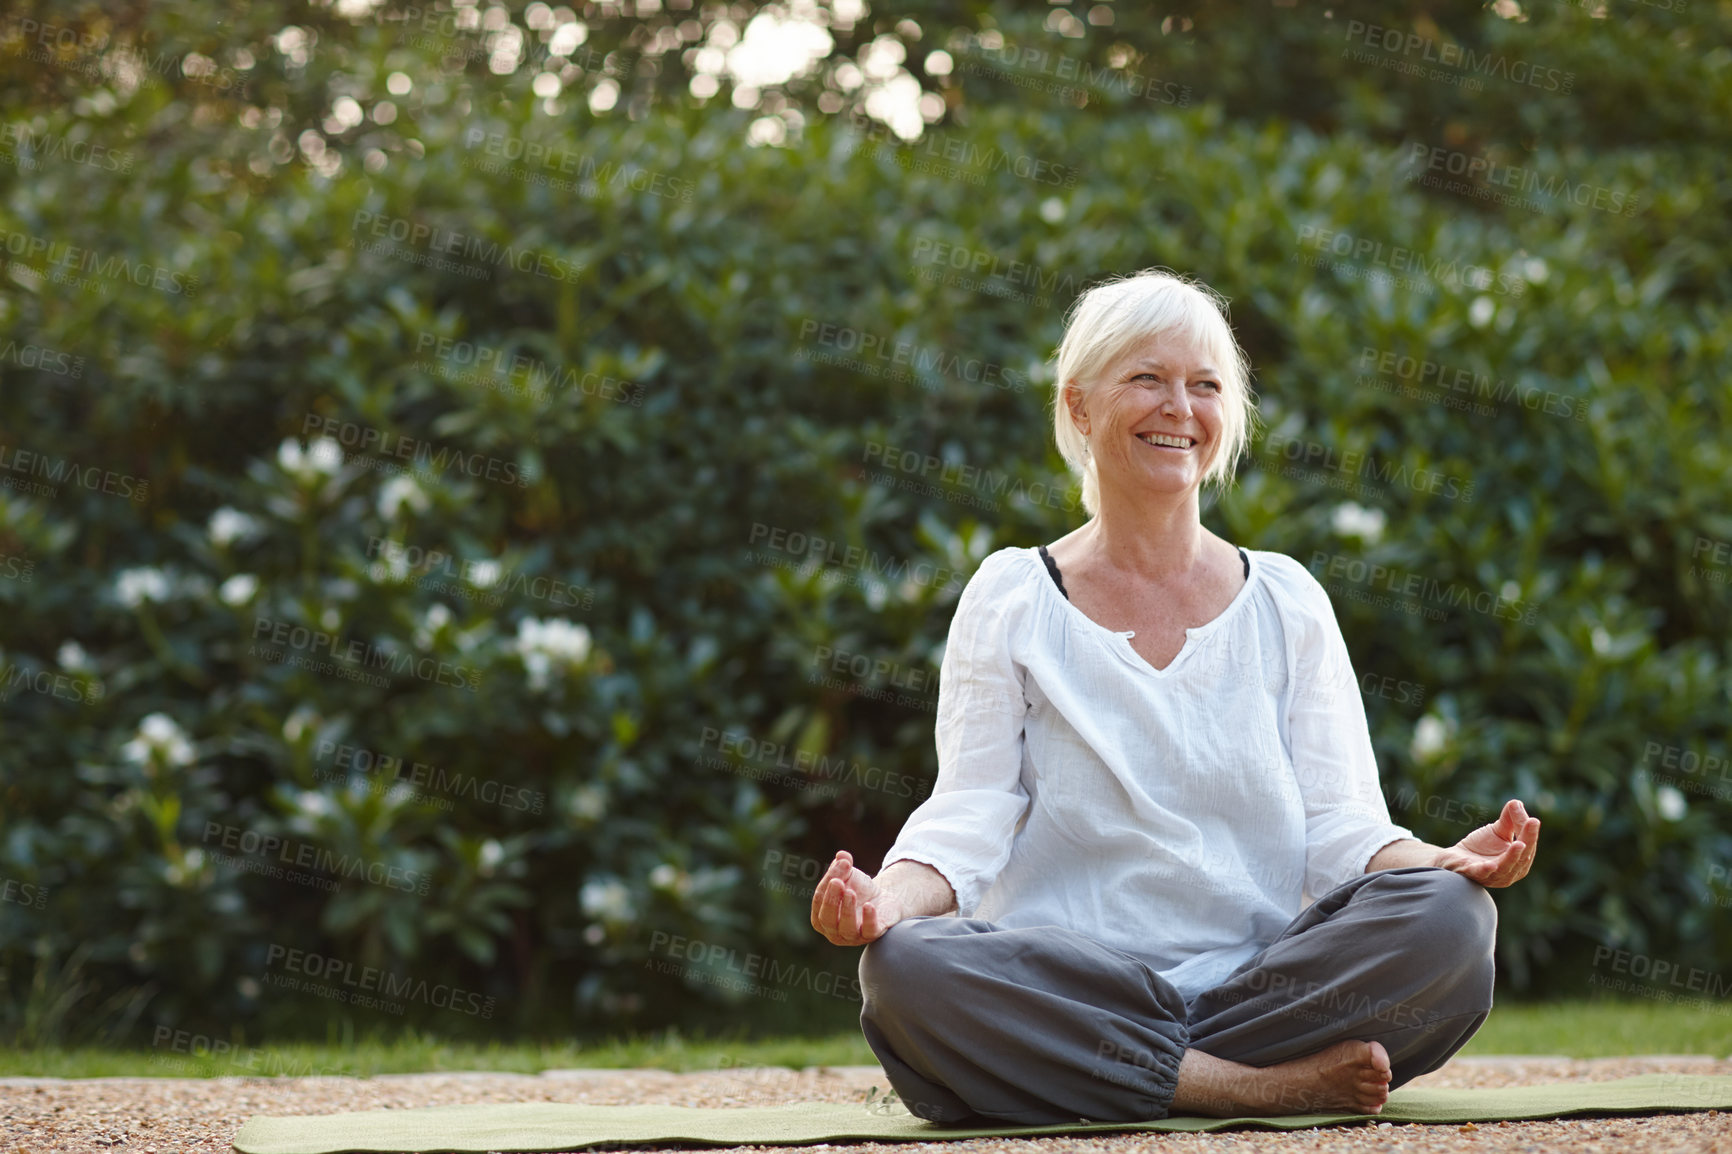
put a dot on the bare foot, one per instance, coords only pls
(1348, 1076)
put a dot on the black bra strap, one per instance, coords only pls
(1247, 561)
(1052, 567)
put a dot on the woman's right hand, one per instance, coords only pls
(849, 908)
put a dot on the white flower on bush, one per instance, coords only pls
(541, 643)
(1430, 737)
(322, 456)
(296, 724)
(133, 587)
(185, 872)
(71, 655)
(491, 857)
(485, 574)
(670, 879)
(230, 525)
(589, 803)
(239, 589)
(159, 736)
(1355, 520)
(437, 617)
(607, 899)
(399, 491)
(1671, 802)
(314, 804)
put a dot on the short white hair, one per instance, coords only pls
(1124, 311)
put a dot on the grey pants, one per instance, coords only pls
(1043, 1025)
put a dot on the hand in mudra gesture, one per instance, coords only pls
(849, 908)
(1497, 854)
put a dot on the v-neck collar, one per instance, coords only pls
(1121, 643)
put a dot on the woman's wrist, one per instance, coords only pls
(919, 889)
(1406, 851)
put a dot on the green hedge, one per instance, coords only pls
(560, 599)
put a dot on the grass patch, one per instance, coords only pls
(418, 1054)
(1599, 1029)
(1603, 1029)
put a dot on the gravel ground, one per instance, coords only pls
(184, 1116)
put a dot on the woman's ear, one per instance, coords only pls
(1073, 397)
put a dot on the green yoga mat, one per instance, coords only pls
(546, 1126)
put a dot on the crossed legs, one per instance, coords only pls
(1375, 983)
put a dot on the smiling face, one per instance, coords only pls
(1154, 418)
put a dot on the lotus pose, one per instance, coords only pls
(1157, 821)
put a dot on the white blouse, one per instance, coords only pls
(1184, 814)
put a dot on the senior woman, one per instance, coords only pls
(1157, 819)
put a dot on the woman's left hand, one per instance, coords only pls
(1498, 854)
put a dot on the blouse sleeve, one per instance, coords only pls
(1346, 818)
(964, 829)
